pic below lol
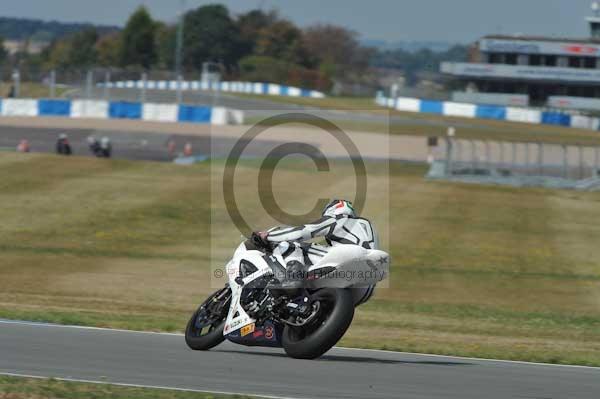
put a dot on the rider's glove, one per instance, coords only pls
(260, 240)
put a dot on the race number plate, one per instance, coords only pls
(247, 329)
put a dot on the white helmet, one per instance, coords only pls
(339, 208)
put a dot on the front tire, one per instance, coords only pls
(312, 341)
(205, 328)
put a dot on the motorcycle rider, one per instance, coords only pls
(62, 145)
(339, 225)
(100, 148)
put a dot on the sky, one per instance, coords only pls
(460, 21)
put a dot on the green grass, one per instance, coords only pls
(34, 388)
(477, 270)
(31, 90)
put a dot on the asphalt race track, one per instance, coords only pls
(146, 146)
(163, 360)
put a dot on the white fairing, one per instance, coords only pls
(354, 266)
(346, 265)
(237, 317)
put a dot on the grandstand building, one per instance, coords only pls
(529, 70)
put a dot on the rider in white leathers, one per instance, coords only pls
(339, 225)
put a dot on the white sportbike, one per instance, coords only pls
(254, 310)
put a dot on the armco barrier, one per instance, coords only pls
(194, 114)
(19, 107)
(160, 112)
(459, 109)
(124, 110)
(585, 122)
(89, 109)
(54, 107)
(120, 110)
(555, 118)
(408, 104)
(490, 112)
(230, 87)
(432, 107)
(514, 114)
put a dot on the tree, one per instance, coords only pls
(108, 48)
(250, 25)
(282, 40)
(57, 54)
(267, 69)
(138, 40)
(3, 51)
(210, 35)
(337, 50)
(166, 42)
(82, 52)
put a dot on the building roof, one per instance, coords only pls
(527, 38)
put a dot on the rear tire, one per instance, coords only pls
(310, 342)
(200, 335)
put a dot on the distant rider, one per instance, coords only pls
(62, 145)
(100, 148)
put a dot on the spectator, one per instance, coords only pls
(62, 145)
(23, 146)
(187, 150)
(171, 147)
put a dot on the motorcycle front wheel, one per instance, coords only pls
(336, 311)
(205, 328)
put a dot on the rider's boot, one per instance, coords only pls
(292, 281)
(295, 275)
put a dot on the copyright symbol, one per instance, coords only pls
(218, 273)
(265, 177)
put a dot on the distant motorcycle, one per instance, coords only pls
(253, 309)
(100, 148)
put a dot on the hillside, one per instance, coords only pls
(42, 31)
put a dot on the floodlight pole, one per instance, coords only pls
(565, 161)
(53, 83)
(16, 83)
(449, 150)
(580, 152)
(597, 161)
(106, 85)
(179, 50)
(143, 88)
(540, 154)
(89, 81)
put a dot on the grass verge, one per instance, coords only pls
(31, 90)
(37, 388)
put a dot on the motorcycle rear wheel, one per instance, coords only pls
(335, 316)
(205, 328)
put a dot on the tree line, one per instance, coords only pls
(43, 31)
(257, 45)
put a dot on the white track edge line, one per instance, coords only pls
(42, 324)
(124, 384)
